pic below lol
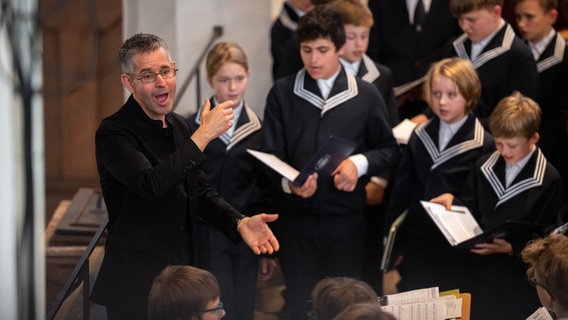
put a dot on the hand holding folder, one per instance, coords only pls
(326, 159)
(462, 230)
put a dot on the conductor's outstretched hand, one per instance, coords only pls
(256, 233)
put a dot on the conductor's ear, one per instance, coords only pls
(127, 82)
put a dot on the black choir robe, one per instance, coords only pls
(236, 176)
(505, 65)
(552, 97)
(298, 121)
(154, 193)
(323, 235)
(394, 42)
(283, 43)
(501, 289)
(380, 76)
(230, 169)
(425, 172)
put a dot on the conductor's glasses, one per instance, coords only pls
(150, 77)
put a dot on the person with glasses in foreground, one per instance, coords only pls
(547, 260)
(185, 293)
(148, 161)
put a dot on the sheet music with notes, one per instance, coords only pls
(411, 296)
(462, 230)
(540, 314)
(422, 304)
(457, 225)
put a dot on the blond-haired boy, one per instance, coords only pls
(516, 182)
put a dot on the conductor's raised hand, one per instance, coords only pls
(213, 123)
(257, 235)
(307, 189)
(345, 176)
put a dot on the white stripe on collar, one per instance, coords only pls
(504, 194)
(331, 102)
(286, 20)
(245, 129)
(486, 56)
(556, 58)
(537, 48)
(372, 71)
(438, 157)
(253, 124)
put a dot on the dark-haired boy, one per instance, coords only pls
(323, 225)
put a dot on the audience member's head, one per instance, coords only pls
(330, 296)
(185, 293)
(364, 311)
(547, 260)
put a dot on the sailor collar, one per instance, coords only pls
(556, 58)
(332, 101)
(483, 57)
(366, 65)
(285, 19)
(439, 157)
(243, 130)
(372, 71)
(503, 193)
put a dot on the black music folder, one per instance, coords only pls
(507, 230)
(462, 230)
(327, 158)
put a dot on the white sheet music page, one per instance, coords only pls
(540, 314)
(403, 131)
(284, 169)
(423, 304)
(457, 225)
(413, 296)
